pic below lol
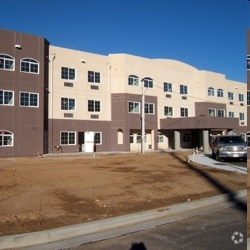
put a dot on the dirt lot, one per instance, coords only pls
(38, 193)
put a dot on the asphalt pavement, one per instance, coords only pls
(65, 237)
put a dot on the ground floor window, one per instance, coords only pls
(248, 139)
(68, 138)
(6, 138)
(98, 138)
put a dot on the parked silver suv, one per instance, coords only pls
(229, 146)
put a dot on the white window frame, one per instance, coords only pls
(212, 112)
(185, 112)
(69, 102)
(148, 82)
(241, 98)
(221, 112)
(135, 107)
(68, 75)
(30, 63)
(4, 98)
(168, 111)
(183, 89)
(96, 77)
(220, 93)
(133, 80)
(230, 96)
(4, 135)
(29, 93)
(210, 91)
(95, 106)
(68, 138)
(167, 87)
(99, 143)
(6, 62)
(242, 116)
(147, 108)
(231, 114)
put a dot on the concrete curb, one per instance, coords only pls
(116, 224)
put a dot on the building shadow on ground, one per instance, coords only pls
(231, 196)
(138, 246)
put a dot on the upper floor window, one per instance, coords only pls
(230, 96)
(148, 82)
(6, 97)
(94, 77)
(183, 89)
(248, 98)
(67, 103)
(6, 138)
(242, 117)
(133, 80)
(211, 112)
(241, 97)
(149, 108)
(220, 92)
(168, 111)
(6, 62)
(248, 62)
(68, 73)
(94, 106)
(28, 99)
(184, 112)
(167, 87)
(231, 114)
(29, 65)
(210, 91)
(134, 107)
(221, 113)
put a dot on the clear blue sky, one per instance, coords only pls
(209, 35)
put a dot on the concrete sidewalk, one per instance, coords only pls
(207, 160)
(76, 235)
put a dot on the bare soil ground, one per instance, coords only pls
(38, 193)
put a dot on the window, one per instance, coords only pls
(168, 111)
(186, 138)
(160, 138)
(210, 91)
(67, 104)
(248, 98)
(29, 65)
(211, 112)
(221, 113)
(184, 112)
(231, 114)
(133, 80)
(131, 138)
(183, 89)
(167, 87)
(230, 96)
(220, 93)
(241, 97)
(248, 139)
(98, 138)
(242, 116)
(68, 73)
(149, 108)
(134, 107)
(94, 77)
(28, 99)
(139, 138)
(6, 97)
(94, 106)
(148, 82)
(248, 62)
(68, 138)
(6, 139)
(6, 62)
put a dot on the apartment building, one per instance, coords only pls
(54, 98)
(248, 90)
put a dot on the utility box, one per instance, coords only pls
(89, 140)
